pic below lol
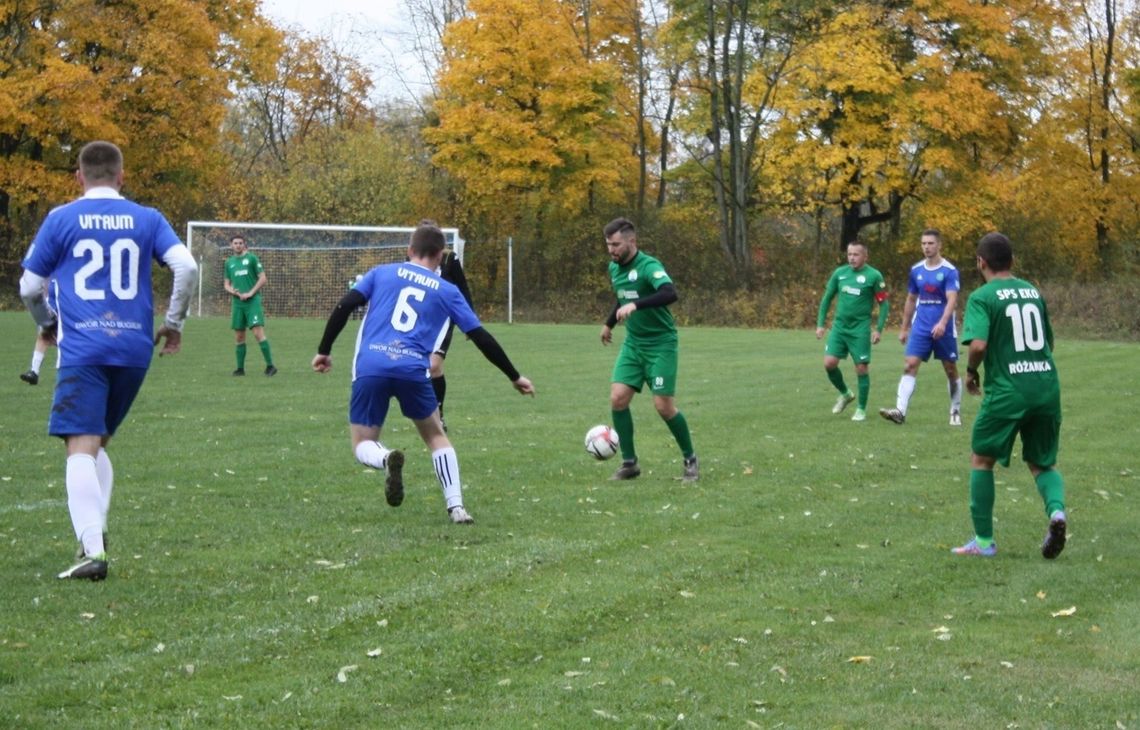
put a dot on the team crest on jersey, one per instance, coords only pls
(940, 276)
(861, 279)
(633, 276)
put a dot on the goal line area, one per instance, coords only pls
(309, 267)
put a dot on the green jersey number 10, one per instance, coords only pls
(1026, 323)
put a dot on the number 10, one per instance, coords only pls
(1028, 332)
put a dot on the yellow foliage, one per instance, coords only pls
(526, 105)
(150, 75)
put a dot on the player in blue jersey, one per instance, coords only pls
(408, 305)
(928, 327)
(98, 252)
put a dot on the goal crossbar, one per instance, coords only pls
(309, 266)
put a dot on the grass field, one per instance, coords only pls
(258, 579)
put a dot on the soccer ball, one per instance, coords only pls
(601, 442)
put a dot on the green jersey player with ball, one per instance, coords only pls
(649, 352)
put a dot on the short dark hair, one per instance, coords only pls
(857, 242)
(933, 232)
(236, 236)
(428, 240)
(100, 161)
(996, 250)
(619, 225)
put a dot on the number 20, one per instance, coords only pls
(1028, 330)
(124, 248)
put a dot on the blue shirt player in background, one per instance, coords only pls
(97, 251)
(408, 305)
(928, 327)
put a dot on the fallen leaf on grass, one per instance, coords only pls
(941, 630)
(1041, 595)
(375, 652)
(1065, 612)
(606, 715)
(859, 659)
(342, 675)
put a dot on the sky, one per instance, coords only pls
(373, 31)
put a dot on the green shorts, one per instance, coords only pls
(657, 366)
(1040, 429)
(249, 313)
(841, 342)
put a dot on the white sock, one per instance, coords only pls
(85, 503)
(955, 389)
(906, 390)
(37, 360)
(106, 476)
(447, 471)
(371, 453)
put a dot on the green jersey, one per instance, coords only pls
(243, 271)
(1010, 315)
(638, 278)
(857, 291)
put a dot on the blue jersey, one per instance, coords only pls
(930, 287)
(408, 305)
(97, 250)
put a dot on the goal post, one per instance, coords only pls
(309, 266)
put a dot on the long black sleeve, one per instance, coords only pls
(451, 270)
(611, 321)
(663, 297)
(493, 351)
(339, 318)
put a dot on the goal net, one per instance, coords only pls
(309, 267)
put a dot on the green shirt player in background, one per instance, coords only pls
(649, 352)
(1007, 328)
(245, 277)
(858, 287)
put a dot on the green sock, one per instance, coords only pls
(864, 390)
(836, 378)
(241, 356)
(982, 503)
(1051, 487)
(983, 542)
(264, 345)
(680, 429)
(623, 424)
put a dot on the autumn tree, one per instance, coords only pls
(520, 109)
(527, 122)
(890, 98)
(1081, 175)
(733, 55)
(312, 87)
(149, 75)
